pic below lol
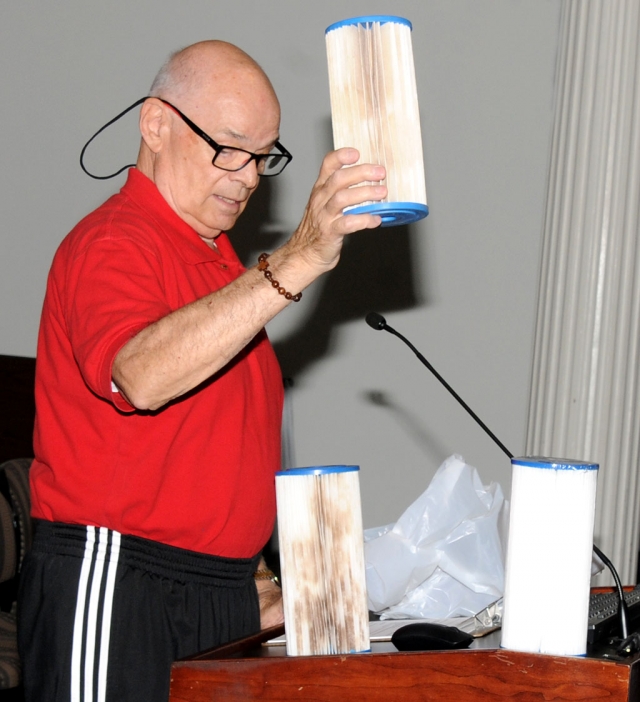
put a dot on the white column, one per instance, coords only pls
(585, 388)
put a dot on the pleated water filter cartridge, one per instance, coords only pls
(549, 554)
(374, 108)
(322, 560)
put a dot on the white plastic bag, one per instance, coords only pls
(444, 557)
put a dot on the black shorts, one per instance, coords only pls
(102, 616)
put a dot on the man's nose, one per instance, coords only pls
(248, 174)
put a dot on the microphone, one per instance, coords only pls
(377, 321)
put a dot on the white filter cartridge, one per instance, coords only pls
(548, 565)
(374, 108)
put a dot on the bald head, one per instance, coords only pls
(197, 68)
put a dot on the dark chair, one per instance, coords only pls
(16, 533)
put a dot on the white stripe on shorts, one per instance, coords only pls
(93, 610)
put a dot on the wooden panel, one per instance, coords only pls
(17, 406)
(478, 675)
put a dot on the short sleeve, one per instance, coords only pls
(113, 290)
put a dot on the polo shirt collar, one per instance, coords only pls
(190, 247)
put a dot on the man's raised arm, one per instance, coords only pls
(180, 351)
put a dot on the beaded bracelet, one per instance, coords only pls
(266, 574)
(263, 265)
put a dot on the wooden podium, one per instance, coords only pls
(247, 670)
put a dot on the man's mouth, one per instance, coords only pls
(229, 200)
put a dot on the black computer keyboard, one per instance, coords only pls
(604, 620)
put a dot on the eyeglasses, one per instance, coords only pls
(230, 158)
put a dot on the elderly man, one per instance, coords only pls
(159, 396)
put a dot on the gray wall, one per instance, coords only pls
(462, 284)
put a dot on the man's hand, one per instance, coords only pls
(320, 235)
(270, 598)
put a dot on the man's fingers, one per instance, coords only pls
(350, 197)
(334, 161)
(331, 216)
(333, 170)
(356, 175)
(348, 223)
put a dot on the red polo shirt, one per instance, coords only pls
(198, 473)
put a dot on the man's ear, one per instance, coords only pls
(153, 122)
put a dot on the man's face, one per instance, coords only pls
(244, 115)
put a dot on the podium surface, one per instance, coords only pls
(247, 670)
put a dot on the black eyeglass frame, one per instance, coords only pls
(218, 148)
